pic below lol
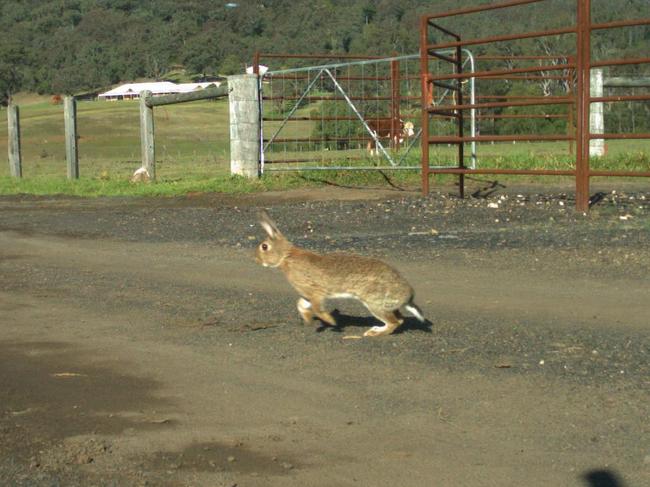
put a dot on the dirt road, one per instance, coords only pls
(140, 344)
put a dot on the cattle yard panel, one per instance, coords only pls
(573, 70)
(564, 78)
(343, 112)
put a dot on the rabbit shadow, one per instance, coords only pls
(344, 321)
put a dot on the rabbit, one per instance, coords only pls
(318, 277)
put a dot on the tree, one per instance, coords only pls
(11, 55)
(69, 45)
(199, 54)
(231, 65)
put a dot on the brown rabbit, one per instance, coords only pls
(319, 277)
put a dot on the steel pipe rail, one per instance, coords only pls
(577, 67)
(481, 8)
(620, 23)
(514, 172)
(504, 72)
(443, 139)
(503, 38)
(638, 136)
(502, 104)
(615, 99)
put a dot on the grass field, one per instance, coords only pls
(190, 138)
(192, 152)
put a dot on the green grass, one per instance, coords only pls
(122, 187)
(192, 153)
(218, 184)
(191, 140)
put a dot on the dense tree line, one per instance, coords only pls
(71, 46)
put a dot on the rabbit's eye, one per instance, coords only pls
(265, 246)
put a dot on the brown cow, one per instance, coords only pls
(381, 128)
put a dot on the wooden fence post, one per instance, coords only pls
(147, 143)
(71, 150)
(244, 125)
(13, 124)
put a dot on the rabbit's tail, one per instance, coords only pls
(413, 308)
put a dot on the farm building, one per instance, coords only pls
(131, 91)
(262, 69)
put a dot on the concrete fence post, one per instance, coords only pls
(71, 150)
(596, 115)
(244, 125)
(147, 144)
(13, 142)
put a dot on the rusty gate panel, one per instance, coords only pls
(572, 69)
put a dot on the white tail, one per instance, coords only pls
(415, 311)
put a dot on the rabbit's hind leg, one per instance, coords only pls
(306, 311)
(391, 320)
(323, 315)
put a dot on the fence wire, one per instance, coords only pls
(341, 115)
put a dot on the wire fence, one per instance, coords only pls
(340, 113)
(192, 140)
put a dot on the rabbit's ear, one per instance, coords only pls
(269, 225)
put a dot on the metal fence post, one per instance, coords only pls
(13, 124)
(147, 143)
(583, 103)
(245, 132)
(460, 120)
(70, 122)
(425, 101)
(395, 116)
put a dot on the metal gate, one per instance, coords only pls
(451, 29)
(347, 113)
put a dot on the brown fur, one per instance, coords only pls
(318, 277)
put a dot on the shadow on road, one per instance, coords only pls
(602, 478)
(346, 321)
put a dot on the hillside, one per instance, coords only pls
(69, 46)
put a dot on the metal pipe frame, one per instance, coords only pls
(358, 61)
(505, 104)
(313, 159)
(541, 57)
(615, 99)
(344, 168)
(295, 77)
(329, 139)
(505, 72)
(620, 62)
(503, 38)
(482, 8)
(522, 115)
(448, 139)
(328, 118)
(324, 71)
(335, 98)
(581, 97)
